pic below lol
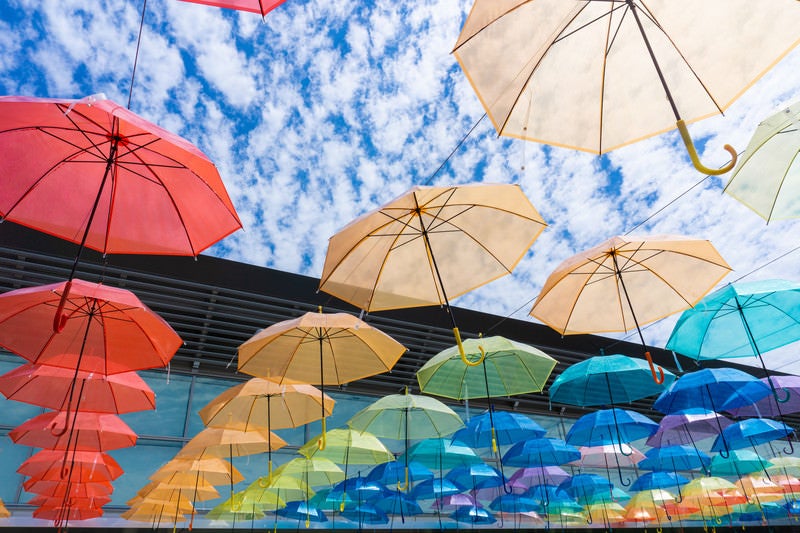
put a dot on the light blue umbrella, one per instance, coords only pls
(745, 319)
(674, 458)
(514, 503)
(541, 452)
(442, 454)
(739, 463)
(607, 380)
(658, 480)
(434, 488)
(477, 476)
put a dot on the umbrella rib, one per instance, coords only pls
(780, 186)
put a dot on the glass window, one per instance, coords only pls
(169, 417)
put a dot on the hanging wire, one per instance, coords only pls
(454, 150)
(136, 56)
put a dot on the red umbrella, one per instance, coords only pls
(86, 466)
(50, 501)
(89, 432)
(104, 329)
(94, 173)
(50, 386)
(62, 513)
(254, 6)
(58, 489)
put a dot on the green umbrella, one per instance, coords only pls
(236, 508)
(491, 367)
(407, 417)
(314, 471)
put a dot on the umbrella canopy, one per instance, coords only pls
(314, 472)
(394, 472)
(712, 389)
(738, 463)
(455, 500)
(606, 455)
(236, 508)
(59, 489)
(609, 426)
(527, 477)
(618, 61)
(508, 368)
(441, 454)
(658, 480)
(508, 428)
(407, 416)
(674, 458)
(434, 488)
(132, 186)
(541, 452)
(195, 489)
(397, 502)
(50, 386)
(473, 515)
(104, 329)
(213, 469)
(71, 513)
(606, 380)
(253, 6)
(366, 513)
(476, 476)
(411, 251)
(301, 510)
(348, 446)
(89, 432)
(82, 466)
(584, 487)
(627, 282)
(751, 432)
(769, 407)
(269, 403)
(287, 486)
(514, 503)
(688, 426)
(222, 442)
(326, 349)
(767, 177)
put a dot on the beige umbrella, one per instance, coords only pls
(596, 75)
(326, 349)
(627, 282)
(430, 245)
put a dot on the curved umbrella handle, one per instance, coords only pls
(687, 141)
(403, 487)
(658, 378)
(785, 398)
(60, 320)
(463, 354)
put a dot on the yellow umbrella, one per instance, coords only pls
(224, 442)
(327, 349)
(283, 486)
(626, 282)
(762, 488)
(430, 245)
(211, 469)
(313, 471)
(198, 490)
(348, 446)
(593, 75)
(4, 512)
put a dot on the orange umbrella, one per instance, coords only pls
(59, 489)
(86, 466)
(224, 442)
(104, 329)
(90, 432)
(50, 501)
(327, 349)
(198, 490)
(50, 386)
(212, 469)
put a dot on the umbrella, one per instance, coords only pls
(394, 472)
(105, 330)
(116, 170)
(442, 454)
(541, 452)
(472, 515)
(627, 282)
(751, 432)
(434, 488)
(588, 488)
(688, 426)
(348, 446)
(740, 320)
(286, 404)
(769, 406)
(514, 503)
(526, 477)
(47, 465)
(213, 469)
(455, 500)
(328, 349)
(476, 476)
(222, 442)
(712, 389)
(658, 480)
(407, 417)
(649, 506)
(253, 6)
(63, 513)
(366, 513)
(301, 510)
(273, 489)
(236, 508)
(606, 380)
(508, 428)
(674, 458)
(611, 512)
(507, 368)
(594, 75)
(50, 386)
(739, 462)
(397, 502)
(313, 471)
(766, 178)
(90, 432)
(59, 489)
(604, 455)
(411, 251)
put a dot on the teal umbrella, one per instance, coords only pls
(443, 454)
(607, 380)
(740, 320)
(739, 463)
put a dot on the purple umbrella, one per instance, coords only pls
(768, 407)
(687, 427)
(525, 478)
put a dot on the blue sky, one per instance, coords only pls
(325, 110)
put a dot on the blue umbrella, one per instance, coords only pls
(509, 428)
(473, 515)
(434, 488)
(586, 487)
(751, 432)
(740, 320)
(477, 476)
(659, 480)
(514, 503)
(549, 495)
(607, 380)
(397, 502)
(674, 458)
(366, 513)
(541, 452)
(365, 490)
(394, 472)
(713, 389)
(301, 510)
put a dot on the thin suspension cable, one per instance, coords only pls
(136, 56)
(450, 155)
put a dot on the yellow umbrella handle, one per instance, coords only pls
(658, 378)
(323, 441)
(403, 487)
(463, 354)
(687, 141)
